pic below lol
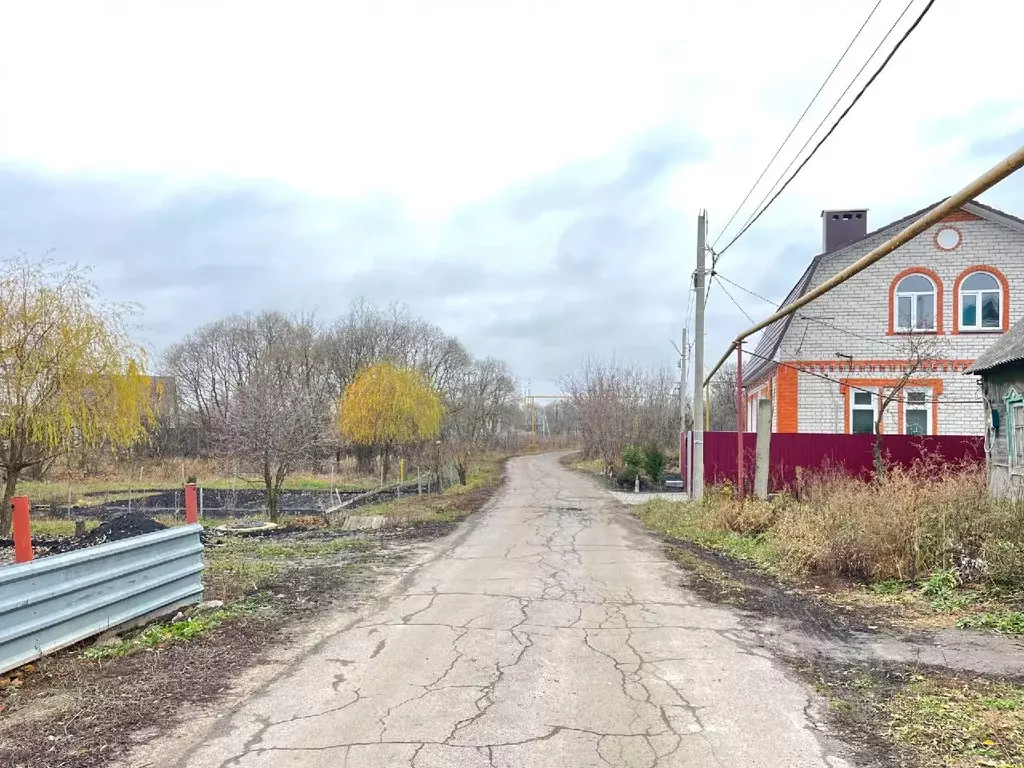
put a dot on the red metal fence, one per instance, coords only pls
(814, 451)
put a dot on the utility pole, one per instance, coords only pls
(682, 385)
(698, 365)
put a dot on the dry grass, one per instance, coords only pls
(904, 527)
(911, 523)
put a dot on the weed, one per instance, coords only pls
(838, 525)
(889, 587)
(157, 635)
(954, 722)
(1006, 622)
(940, 583)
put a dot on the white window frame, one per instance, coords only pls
(855, 407)
(926, 407)
(978, 294)
(913, 296)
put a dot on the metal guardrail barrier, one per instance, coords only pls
(58, 600)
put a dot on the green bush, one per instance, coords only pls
(633, 458)
(626, 478)
(648, 461)
(653, 462)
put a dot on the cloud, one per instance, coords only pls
(586, 261)
(530, 182)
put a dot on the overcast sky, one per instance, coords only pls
(525, 174)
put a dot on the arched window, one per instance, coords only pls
(915, 304)
(981, 303)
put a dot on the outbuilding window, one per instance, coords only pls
(1015, 428)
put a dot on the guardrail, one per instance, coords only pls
(59, 600)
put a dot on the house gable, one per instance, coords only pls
(851, 309)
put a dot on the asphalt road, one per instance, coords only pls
(550, 632)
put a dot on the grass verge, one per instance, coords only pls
(449, 506)
(956, 564)
(902, 715)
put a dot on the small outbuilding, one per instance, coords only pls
(1001, 368)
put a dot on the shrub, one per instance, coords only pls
(928, 519)
(626, 478)
(653, 462)
(632, 457)
(648, 461)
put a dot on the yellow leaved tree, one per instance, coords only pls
(387, 406)
(70, 375)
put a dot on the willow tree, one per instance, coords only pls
(70, 375)
(386, 406)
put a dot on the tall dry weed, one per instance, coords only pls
(903, 526)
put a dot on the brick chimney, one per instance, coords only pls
(840, 228)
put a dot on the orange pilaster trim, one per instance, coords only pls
(786, 395)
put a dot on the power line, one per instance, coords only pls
(720, 276)
(740, 308)
(899, 43)
(804, 317)
(796, 124)
(907, 385)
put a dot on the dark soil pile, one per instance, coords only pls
(115, 529)
(122, 527)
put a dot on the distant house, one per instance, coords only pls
(828, 366)
(1001, 368)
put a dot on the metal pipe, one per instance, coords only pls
(740, 413)
(989, 179)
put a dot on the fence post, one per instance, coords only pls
(22, 529)
(191, 505)
(764, 436)
(202, 506)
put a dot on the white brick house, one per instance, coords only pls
(953, 288)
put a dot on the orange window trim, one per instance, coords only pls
(1005, 309)
(935, 385)
(938, 300)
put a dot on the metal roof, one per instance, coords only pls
(1009, 348)
(771, 339)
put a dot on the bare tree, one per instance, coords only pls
(617, 404)
(281, 416)
(917, 351)
(722, 399)
(483, 405)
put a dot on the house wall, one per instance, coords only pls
(1004, 481)
(853, 321)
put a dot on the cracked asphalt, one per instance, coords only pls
(551, 631)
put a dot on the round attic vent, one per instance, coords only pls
(948, 238)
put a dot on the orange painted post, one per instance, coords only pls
(22, 529)
(191, 504)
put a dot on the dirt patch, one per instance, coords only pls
(722, 579)
(917, 716)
